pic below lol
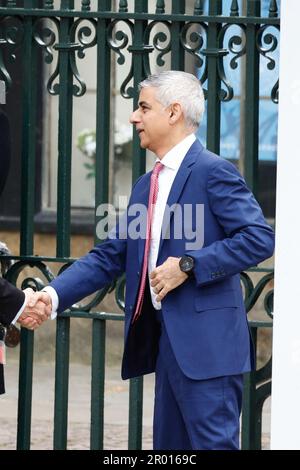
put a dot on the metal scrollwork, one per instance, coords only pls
(82, 33)
(252, 293)
(237, 48)
(11, 36)
(46, 38)
(37, 284)
(269, 302)
(267, 43)
(118, 41)
(258, 383)
(161, 43)
(16, 269)
(271, 45)
(193, 41)
(98, 297)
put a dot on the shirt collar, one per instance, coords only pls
(174, 157)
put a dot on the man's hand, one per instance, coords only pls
(167, 277)
(38, 309)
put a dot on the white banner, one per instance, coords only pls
(285, 415)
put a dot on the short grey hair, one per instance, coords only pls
(179, 87)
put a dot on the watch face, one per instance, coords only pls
(186, 264)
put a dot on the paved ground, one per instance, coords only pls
(116, 409)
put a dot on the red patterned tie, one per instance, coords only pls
(151, 204)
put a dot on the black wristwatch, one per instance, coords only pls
(187, 264)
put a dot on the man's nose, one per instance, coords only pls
(134, 117)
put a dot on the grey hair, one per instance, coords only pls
(179, 87)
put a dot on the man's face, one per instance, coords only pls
(151, 120)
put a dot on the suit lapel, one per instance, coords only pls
(178, 186)
(175, 192)
(143, 199)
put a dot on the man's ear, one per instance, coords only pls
(175, 112)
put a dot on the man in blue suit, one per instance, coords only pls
(206, 228)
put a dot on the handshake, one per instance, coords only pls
(38, 308)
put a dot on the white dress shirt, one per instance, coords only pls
(171, 161)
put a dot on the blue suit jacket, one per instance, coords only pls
(205, 316)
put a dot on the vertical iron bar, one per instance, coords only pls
(103, 109)
(61, 384)
(135, 413)
(98, 382)
(29, 90)
(139, 165)
(101, 196)
(28, 136)
(63, 223)
(64, 135)
(214, 85)
(252, 99)
(139, 155)
(25, 390)
(177, 55)
(249, 404)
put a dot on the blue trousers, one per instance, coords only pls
(194, 414)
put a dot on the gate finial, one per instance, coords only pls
(273, 9)
(234, 9)
(160, 6)
(123, 6)
(48, 4)
(198, 8)
(85, 5)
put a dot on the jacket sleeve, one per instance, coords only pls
(11, 300)
(104, 263)
(248, 238)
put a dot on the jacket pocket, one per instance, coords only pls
(216, 301)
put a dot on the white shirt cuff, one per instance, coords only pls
(54, 299)
(20, 311)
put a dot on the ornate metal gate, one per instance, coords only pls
(171, 30)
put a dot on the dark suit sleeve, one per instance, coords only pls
(11, 300)
(5, 149)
